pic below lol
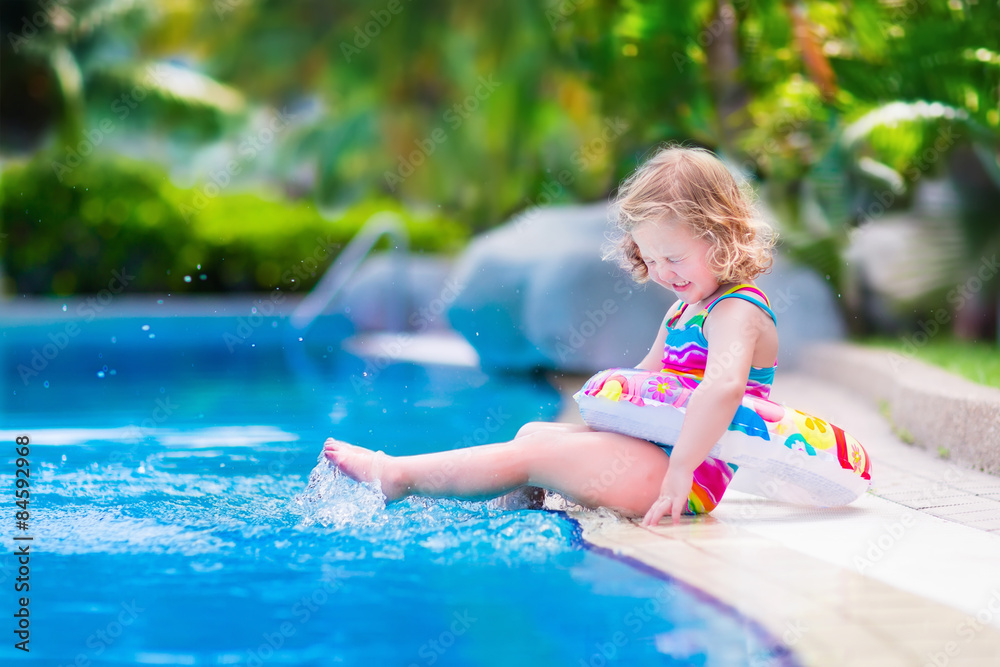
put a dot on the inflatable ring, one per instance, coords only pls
(778, 452)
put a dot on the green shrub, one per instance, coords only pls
(112, 215)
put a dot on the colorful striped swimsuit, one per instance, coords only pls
(685, 356)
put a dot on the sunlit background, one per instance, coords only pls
(176, 176)
(207, 145)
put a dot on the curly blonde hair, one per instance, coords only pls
(692, 186)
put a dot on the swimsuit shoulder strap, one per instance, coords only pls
(677, 315)
(736, 293)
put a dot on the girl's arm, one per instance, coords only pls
(732, 338)
(653, 361)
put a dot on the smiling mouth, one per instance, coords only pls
(682, 285)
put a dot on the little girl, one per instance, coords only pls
(683, 223)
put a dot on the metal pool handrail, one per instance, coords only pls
(347, 262)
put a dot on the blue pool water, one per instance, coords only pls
(179, 515)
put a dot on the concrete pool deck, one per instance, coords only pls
(907, 575)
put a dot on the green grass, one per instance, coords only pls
(979, 362)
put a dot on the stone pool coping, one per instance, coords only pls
(884, 581)
(941, 412)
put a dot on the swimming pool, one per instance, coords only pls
(175, 522)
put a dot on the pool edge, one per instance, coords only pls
(823, 613)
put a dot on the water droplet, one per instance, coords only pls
(203, 277)
(142, 469)
(152, 335)
(46, 385)
(199, 267)
(64, 458)
(159, 301)
(113, 372)
(114, 339)
(145, 327)
(187, 279)
(100, 374)
(64, 307)
(254, 310)
(300, 339)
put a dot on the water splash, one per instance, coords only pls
(332, 499)
(354, 518)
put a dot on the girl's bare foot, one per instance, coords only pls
(365, 465)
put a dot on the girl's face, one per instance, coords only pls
(675, 259)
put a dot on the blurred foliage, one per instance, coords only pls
(481, 109)
(115, 215)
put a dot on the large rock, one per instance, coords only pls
(534, 292)
(398, 292)
(537, 294)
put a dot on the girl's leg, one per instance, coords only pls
(588, 467)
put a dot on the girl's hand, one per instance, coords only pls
(673, 497)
